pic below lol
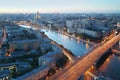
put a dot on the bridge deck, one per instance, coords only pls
(116, 51)
(81, 66)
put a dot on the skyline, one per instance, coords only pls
(44, 6)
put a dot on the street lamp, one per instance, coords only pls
(116, 32)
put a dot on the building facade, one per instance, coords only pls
(24, 44)
(36, 74)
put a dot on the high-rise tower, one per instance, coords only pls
(37, 16)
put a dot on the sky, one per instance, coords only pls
(63, 6)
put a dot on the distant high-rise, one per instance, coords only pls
(118, 24)
(37, 16)
(4, 34)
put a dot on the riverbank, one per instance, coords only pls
(74, 37)
(91, 43)
(64, 49)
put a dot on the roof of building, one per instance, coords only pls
(4, 73)
(32, 72)
(20, 63)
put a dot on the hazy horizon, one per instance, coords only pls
(60, 6)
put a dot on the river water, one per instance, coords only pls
(111, 67)
(78, 48)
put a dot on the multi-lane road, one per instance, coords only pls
(77, 69)
(116, 51)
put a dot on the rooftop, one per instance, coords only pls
(4, 73)
(32, 72)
